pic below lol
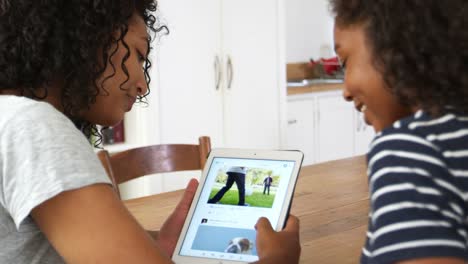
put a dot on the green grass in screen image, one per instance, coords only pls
(257, 199)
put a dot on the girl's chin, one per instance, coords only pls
(110, 122)
(368, 121)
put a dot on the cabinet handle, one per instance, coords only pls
(292, 121)
(217, 72)
(230, 72)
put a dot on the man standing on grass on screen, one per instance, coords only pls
(267, 183)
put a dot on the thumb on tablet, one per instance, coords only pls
(189, 193)
(263, 225)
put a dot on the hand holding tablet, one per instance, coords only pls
(271, 245)
(237, 188)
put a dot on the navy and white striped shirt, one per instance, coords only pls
(418, 182)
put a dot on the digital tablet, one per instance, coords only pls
(237, 187)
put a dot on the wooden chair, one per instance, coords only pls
(133, 163)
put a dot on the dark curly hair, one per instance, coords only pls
(420, 47)
(48, 41)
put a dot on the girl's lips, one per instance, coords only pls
(363, 108)
(131, 101)
(360, 107)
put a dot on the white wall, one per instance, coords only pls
(309, 30)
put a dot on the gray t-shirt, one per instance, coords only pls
(41, 155)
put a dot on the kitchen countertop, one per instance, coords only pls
(315, 85)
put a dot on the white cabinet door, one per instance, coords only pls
(335, 125)
(242, 110)
(189, 103)
(301, 129)
(251, 59)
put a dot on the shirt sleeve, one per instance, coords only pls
(43, 154)
(417, 211)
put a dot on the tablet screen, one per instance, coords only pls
(235, 194)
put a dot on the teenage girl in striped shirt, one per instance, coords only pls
(406, 64)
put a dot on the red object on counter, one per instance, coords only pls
(329, 65)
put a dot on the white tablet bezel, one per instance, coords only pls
(282, 155)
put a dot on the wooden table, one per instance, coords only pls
(331, 201)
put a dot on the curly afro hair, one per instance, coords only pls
(48, 41)
(420, 47)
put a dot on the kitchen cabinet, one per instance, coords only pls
(325, 127)
(334, 126)
(301, 128)
(218, 72)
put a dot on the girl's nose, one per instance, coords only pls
(142, 88)
(347, 95)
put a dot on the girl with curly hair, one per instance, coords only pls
(65, 67)
(406, 66)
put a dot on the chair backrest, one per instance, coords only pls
(133, 163)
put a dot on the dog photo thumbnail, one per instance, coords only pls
(226, 239)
